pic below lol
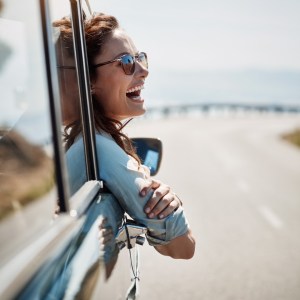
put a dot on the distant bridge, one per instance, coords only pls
(172, 109)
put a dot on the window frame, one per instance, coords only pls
(55, 110)
(78, 14)
(83, 78)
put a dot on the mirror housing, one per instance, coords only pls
(149, 151)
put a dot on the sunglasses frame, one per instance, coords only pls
(135, 58)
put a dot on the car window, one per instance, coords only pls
(69, 91)
(28, 191)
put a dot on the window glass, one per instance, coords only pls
(27, 185)
(67, 80)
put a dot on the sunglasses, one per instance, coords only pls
(128, 62)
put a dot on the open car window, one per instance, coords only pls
(68, 85)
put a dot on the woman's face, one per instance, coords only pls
(112, 85)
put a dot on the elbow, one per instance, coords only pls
(189, 254)
(182, 247)
(186, 253)
(189, 250)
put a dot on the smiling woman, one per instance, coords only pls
(117, 73)
(121, 77)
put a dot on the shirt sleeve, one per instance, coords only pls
(75, 162)
(123, 177)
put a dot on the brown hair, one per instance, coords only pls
(97, 30)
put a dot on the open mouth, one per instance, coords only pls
(135, 92)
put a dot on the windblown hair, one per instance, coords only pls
(98, 30)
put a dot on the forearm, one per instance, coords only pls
(182, 247)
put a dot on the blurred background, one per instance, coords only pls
(223, 94)
(215, 51)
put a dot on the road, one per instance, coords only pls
(240, 184)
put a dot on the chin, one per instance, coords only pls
(137, 110)
(140, 112)
(136, 114)
(132, 114)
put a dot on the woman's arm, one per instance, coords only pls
(162, 202)
(124, 178)
(182, 247)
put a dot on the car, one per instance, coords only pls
(52, 245)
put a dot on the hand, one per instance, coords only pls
(105, 234)
(106, 237)
(163, 202)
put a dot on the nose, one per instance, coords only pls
(141, 70)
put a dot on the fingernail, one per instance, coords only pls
(161, 216)
(151, 215)
(147, 210)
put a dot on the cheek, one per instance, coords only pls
(107, 98)
(111, 88)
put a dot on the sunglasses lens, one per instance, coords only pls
(143, 59)
(128, 64)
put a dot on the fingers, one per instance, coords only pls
(163, 202)
(105, 233)
(161, 194)
(167, 205)
(169, 209)
(147, 185)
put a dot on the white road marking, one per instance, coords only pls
(270, 217)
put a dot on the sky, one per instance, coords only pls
(182, 38)
(215, 50)
(213, 34)
(210, 34)
(207, 34)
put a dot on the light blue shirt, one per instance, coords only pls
(123, 177)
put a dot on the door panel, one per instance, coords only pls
(82, 263)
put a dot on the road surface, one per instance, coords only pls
(240, 184)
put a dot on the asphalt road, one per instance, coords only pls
(240, 184)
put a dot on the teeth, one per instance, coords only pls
(137, 88)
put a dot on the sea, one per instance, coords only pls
(225, 86)
(170, 88)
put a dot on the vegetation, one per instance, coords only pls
(293, 137)
(26, 172)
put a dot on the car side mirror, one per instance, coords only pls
(149, 151)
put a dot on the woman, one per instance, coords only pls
(162, 198)
(118, 72)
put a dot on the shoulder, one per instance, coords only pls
(107, 146)
(105, 139)
(76, 149)
(113, 160)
